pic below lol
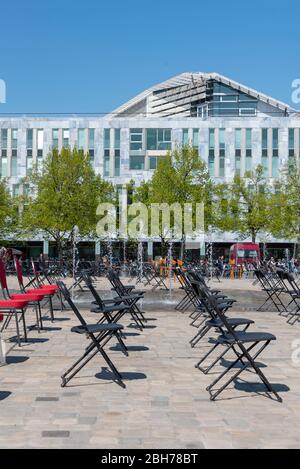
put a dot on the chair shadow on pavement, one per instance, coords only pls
(106, 374)
(4, 395)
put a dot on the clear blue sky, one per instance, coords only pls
(92, 55)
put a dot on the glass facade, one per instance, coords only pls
(275, 152)
(3, 161)
(106, 165)
(221, 152)
(117, 146)
(66, 138)
(264, 155)
(137, 162)
(223, 100)
(185, 136)
(136, 139)
(81, 139)
(91, 144)
(29, 154)
(211, 153)
(196, 138)
(54, 138)
(238, 151)
(159, 139)
(248, 164)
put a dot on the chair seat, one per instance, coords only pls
(40, 291)
(27, 296)
(245, 337)
(53, 288)
(109, 309)
(95, 328)
(231, 321)
(11, 304)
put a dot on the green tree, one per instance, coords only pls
(7, 211)
(181, 177)
(243, 206)
(65, 194)
(285, 221)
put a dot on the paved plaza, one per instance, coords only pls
(165, 403)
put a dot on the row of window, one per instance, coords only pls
(155, 139)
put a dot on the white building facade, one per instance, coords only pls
(234, 128)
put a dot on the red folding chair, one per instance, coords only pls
(32, 299)
(45, 292)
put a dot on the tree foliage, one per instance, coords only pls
(243, 205)
(65, 194)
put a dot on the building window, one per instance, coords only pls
(264, 157)
(14, 139)
(117, 162)
(91, 144)
(106, 170)
(153, 162)
(107, 139)
(29, 139)
(117, 143)
(185, 136)
(54, 138)
(238, 151)
(106, 164)
(292, 150)
(3, 154)
(137, 162)
(14, 163)
(136, 139)
(275, 154)
(40, 146)
(222, 152)
(211, 155)
(196, 138)
(81, 139)
(3, 139)
(159, 139)
(248, 165)
(66, 138)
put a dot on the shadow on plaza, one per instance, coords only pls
(4, 395)
(130, 348)
(107, 375)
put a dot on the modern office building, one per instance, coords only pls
(234, 127)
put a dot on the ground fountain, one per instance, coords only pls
(170, 264)
(140, 262)
(75, 256)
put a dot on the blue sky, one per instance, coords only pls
(91, 56)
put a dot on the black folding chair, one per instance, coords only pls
(129, 296)
(97, 333)
(242, 343)
(272, 289)
(214, 323)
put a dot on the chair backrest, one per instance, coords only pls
(3, 279)
(19, 272)
(66, 294)
(88, 281)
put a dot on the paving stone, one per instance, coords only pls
(167, 407)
